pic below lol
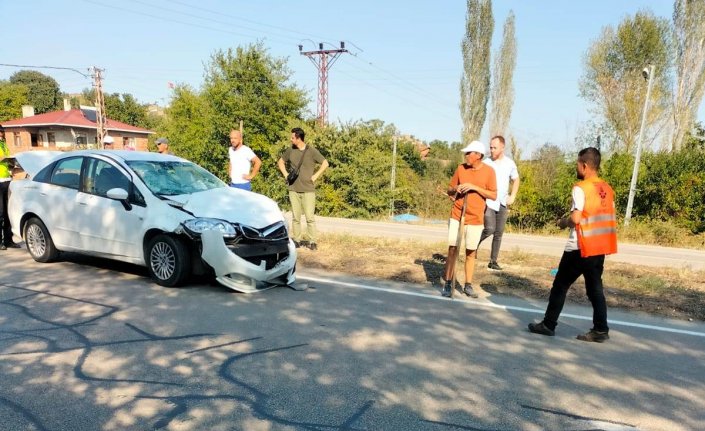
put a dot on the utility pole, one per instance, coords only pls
(100, 118)
(648, 72)
(323, 59)
(392, 183)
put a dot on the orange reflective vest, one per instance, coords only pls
(597, 231)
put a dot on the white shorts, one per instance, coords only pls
(473, 232)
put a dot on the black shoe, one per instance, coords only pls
(13, 245)
(594, 336)
(493, 266)
(541, 328)
(312, 246)
(447, 289)
(469, 291)
(2, 247)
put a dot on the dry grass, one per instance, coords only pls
(667, 292)
(653, 232)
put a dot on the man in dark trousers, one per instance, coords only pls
(497, 210)
(593, 234)
(5, 177)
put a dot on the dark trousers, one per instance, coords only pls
(5, 230)
(571, 267)
(494, 225)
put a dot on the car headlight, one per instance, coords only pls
(196, 226)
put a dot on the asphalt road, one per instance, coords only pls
(551, 246)
(90, 344)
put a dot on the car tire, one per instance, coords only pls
(168, 260)
(38, 240)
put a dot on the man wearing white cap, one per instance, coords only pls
(108, 142)
(475, 181)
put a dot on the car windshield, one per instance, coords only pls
(169, 178)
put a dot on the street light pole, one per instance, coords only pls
(635, 172)
(394, 176)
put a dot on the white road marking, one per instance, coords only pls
(487, 304)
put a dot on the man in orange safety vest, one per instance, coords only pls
(593, 234)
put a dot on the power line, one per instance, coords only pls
(220, 13)
(161, 18)
(396, 96)
(404, 83)
(46, 67)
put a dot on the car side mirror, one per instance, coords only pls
(120, 195)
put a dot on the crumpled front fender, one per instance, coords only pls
(230, 268)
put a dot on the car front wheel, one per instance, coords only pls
(168, 260)
(39, 243)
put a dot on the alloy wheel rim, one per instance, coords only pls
(163, 260)
(36, 242)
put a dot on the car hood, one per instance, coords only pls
(32, 161)
(233, 205)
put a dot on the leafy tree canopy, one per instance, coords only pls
(12, 97)
(44, 93)
(613, 78)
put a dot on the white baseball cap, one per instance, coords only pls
(108, 139)
(475, 146)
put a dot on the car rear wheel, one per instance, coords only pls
(168, 260)
(39, 243)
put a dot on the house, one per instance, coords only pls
(70, 129)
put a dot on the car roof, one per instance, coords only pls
(33, 161)
(125, 155)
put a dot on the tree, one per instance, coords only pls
(249, 84)
(126, 109)
(502, 98)
(689, 23)
(44, 92)
(475, 83)
(245, 84)
(189, 128)
(12, 97)
(695, 139)
(613, 74)
(590, 133)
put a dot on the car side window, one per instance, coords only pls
(101, 176)
(67, 173)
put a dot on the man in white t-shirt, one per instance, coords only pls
(242, 159)
(496, 212)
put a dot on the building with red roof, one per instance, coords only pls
(68, 130)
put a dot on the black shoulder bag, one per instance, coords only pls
(294, 174)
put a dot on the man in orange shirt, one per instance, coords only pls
(476, 182)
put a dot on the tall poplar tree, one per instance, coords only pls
(475, 83)
(502, 98)
(689, 23)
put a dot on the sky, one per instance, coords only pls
(404, 65)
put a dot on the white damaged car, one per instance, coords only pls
(154, 210)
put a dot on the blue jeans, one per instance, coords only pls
(243, 186)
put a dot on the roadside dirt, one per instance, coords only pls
(675, 293)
